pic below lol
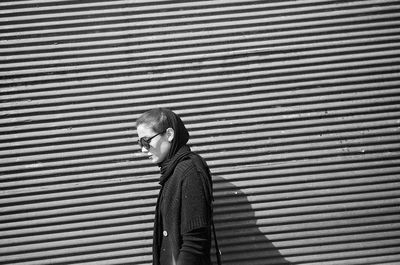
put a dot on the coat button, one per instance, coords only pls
(165, 233)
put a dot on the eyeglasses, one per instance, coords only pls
(145, 142)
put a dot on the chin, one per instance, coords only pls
(155, 160)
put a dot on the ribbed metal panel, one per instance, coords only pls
(294, 104)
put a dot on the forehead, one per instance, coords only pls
(144, 130)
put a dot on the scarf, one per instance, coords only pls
(178, 149)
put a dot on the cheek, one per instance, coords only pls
(163, 150)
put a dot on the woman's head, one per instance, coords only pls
(161, 134)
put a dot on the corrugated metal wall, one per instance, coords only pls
(294, 104)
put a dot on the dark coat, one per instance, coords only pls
(182, 227)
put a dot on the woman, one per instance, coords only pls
(183, 217)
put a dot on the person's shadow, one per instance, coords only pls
(239, 238)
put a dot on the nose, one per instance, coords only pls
(144, 150)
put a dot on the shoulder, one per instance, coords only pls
(191, 166)
(185, 166)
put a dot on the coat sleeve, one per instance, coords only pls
(195, 204)
(195, 220)
(195, 247)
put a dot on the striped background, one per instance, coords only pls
(294, 104)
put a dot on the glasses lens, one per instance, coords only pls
(146, 142)
(143, 143)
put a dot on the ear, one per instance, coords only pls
(170, 134)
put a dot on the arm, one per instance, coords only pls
(195, 245)
(195, 221)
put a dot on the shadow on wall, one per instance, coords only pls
(239, 238)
